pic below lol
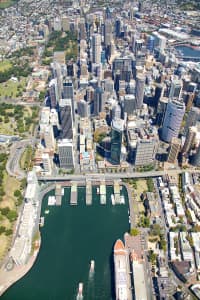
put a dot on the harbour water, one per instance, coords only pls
(72, 236)
(188, 51)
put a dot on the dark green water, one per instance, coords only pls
(71, 237)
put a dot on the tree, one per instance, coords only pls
(12, 215)
(17, 193)
(8, 231)
(134, 231)
(152, 257)
(5, 210)
(2, 229)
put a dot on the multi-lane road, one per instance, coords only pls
(113, 176)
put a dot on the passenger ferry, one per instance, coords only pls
(113, 199)
(92, 264)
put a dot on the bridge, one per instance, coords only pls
(113, 176)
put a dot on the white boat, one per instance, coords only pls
(92, 264)
(98, 190)
(46, 212)
(80, 289)
(113, 199)
(122, 199)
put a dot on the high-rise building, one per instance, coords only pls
(145, 152)
(68, 93)
(98, 101)
(66, 120)
(96, 48)
(174, 150)
(172, 120)
(49, 137)
(82, 29)
(189, 140)
(175, 90)
(192, 118)
(129, 104)
(116, 112)
(118, 28)
(53, 93)
(83, 108)
(150, 43)
(196, 158)
(139, 91)
(66, 154)
(117, 128)
(107, 32)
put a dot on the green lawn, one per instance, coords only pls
(5, 64)
(6, 3)
(12, 88)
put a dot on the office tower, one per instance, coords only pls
(130, 88)
(82, 29)
(68, 89)
(174, 150)
(150, 43)
(162, 105)
(139, 91)
(189, 140)
(66, 154)
(47, 163)
(145, 151)
(83, 108)
(65, 23)
(117, 128)
(108, 14)
(57, 26)
(129, 104)
(107, 32)
(49, 137)
(98, 101)
(96, 48)
(118, 28)
(66, 120)
(192, 87)
(53, 93)
(68, 93)
(116, 112)
(175, 90)
(138, 46)
(109, 85)
(196, 158)
(159, 91)
(192, 118)
(172, 120)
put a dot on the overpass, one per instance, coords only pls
(113, 176)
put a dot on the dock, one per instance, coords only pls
(88, 192)
(117, 191)
(103, 192)
(73, 199)
(58, 194)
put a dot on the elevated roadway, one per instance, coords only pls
(111, 176)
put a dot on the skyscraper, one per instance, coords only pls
(98, 101)
(107, 32)
(66, 120)
(175, 90)
(139, 91)
(49, 137)
(83, 108)
(96, 48)
(174, 150)
(192, 118)
(172, 120)
(66, 154)
(68, 93)
(189, 140)
(53, 93)
(129, 104)
(116, 140)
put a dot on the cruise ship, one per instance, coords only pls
(122, 280)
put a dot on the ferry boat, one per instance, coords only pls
(92, 264)
(98, 190)
(80, 289)
(41, 222)
(122, 199)
(122, 285)
(113, 199)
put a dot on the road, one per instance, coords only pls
(114, 176)
(13, 163)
